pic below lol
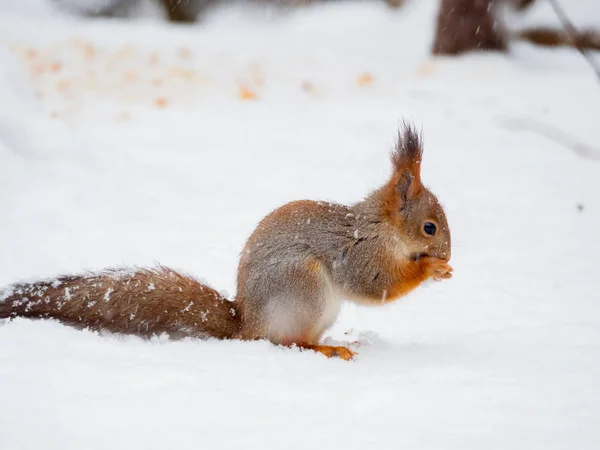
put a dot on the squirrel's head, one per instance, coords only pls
(410, 206)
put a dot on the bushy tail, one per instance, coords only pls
(142, 302)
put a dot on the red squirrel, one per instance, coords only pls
(298, 266)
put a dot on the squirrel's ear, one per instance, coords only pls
(406, 159)
(405, 187)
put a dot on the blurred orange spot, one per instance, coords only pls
(184, 53)
(31, 53)
(62, 85)
(246, 94)
(130, 76)
(55, 66)
(89, 50)
(160, 102)
(157, 82)
(364, 79)
(38, 69)
(180, 72)
(425, 69)
(154, 59)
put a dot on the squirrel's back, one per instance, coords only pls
(337, 238)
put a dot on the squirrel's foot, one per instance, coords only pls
(436, 268)
(332, 350)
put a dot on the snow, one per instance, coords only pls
(130, 143)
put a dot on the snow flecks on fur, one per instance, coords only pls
(5, 293)
(120, 300)
(119, 273)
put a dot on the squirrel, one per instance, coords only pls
(297, 267)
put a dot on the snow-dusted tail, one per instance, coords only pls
(142, 302)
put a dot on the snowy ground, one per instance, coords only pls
(134, 142)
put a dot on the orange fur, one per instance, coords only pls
(314, 266)
(330, 350)
(413, 273)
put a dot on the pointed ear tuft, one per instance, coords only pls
(406, 159)
(408, 152)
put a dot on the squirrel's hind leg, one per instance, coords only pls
(329, 350)
(292, 305)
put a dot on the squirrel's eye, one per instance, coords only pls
(429, 228)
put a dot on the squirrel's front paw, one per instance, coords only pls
(436, 268)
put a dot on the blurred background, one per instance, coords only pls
(137, 131)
